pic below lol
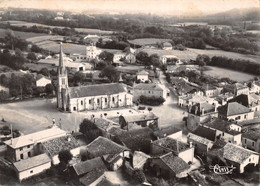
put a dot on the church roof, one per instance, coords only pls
(96, 90)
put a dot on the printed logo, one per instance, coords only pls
(222, 169)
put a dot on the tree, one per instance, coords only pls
(38, 90)
(78, 77)
(142, 57)
(44, 71)
(89, 129)
(202, 60)
(139, 175)
(49, 88)
(111, 73)
(31, 56)
(65, 156)
(106, 56)
(154, 60)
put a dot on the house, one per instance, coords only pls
(102, 146)
(29, 145)
(202, 145)
(235, 111)
(169, 166)
(104, 125)
(118, 56)
(211, 91)
(149, 90)
(222, 99)
(240, 89)
(130, 58)
(200, 113)
(139, 159)
(137, 140)
(167, 46)
(92, 52)
(226, 130)
(142, 76)
(254, 87)
(178, 148)
(170, 60)
(202, 99)
(42, 81)
(251, 140)
(237, 156)
(251, 101)
(129, 122)
(91, 97)
(32, 166)
(206, 133)
(54, 146)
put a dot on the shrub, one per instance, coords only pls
(153, 101)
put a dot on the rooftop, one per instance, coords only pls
(235, 153)
(142, 72)
(139, 117)
(233, 108)
(205, 132)
(251, 134)
(176, 164)
(105, 124)
(92, 176)
(56, 145)
(95, 90)
(171, 144)
(102, 146)
(199, 139)
(36, 137)
(40, 76)
(146, 86)
(88, 166)
(31, 162)
(247, 100)
(222, 125)
(166, 131)
(200, 99)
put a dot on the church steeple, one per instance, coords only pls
(61, 56)
(61, 68)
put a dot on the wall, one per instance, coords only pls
(187, 155)
(149, 93)
(248, 143)
(252, 159)
(248, 116)
(200, 148)
(36, 170)
(142, 78)
(177, 135)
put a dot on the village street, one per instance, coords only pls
(169, 113)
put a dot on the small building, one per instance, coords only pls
(234, 111)
(142, 76)
(32, 166)
(251, 140)
(237, 156)
(211, 91)
(169, 166)
(167, 46)
(130, 58)
(42, 81)
(170, 60)
(254, 87)
(92, 52)
(54, 146)
(200, 113)
(118, 56)
(240, 88)
(139, 159)
(143, 120)
(222, 99)
(149, 90)
(104, 125)
(178, 148)
(202, 145)
(226, 130)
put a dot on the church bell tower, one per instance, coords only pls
(62, 88)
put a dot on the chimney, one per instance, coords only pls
(202, 111)
(190, 144)
(215, 107)
(177, 146)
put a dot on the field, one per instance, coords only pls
(222, 73)
(83, 30)
(38, 67)
(192, 53)
(147, 41)
(22, 35)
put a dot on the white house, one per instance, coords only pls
(167, 46)
(32, 166)
(142, 75)
(42, 81)
(92, 52)
(170, 59)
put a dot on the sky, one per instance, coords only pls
(173, 7)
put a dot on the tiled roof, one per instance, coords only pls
(235, 153)
(92, 176)
(176, 164)
(171, 144)
(139, 117)
(116, 131)
(221, 125)
(199, 139)
(167, 44)
(139, 159)
(246, 100)
(200, 99)
(233, 108)
(148, 86)
(31, 162)
(166, 131)
(56, 145)
(138, 139)
(88, 166)
(102, 146)
(36, 137)
(251, 134)
(39, 76)
(142, 72)
(105, 124)
(205, 133)
(96, 90)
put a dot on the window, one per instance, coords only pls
(253, 144)
(63, 81)
(28, 146)
(97, 101)
(29, 154)
(244, 116)
(74, 108)
(223, 134)
(149, 91)
(113, 99)
(31, 171)
(245, 140)
(21, 148)
(105, 99)
(81, 102)
(21, 156)
(249, 159)
(89, 101)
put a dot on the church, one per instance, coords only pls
(91, 97)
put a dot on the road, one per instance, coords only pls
(169, 113)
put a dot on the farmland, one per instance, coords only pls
(192, 53)
(226, 73)
(83, 30)
(22, 35)
(147, 41)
